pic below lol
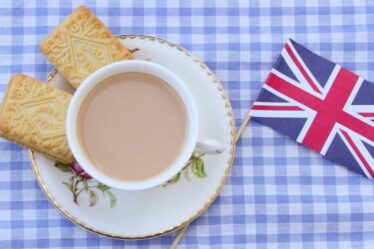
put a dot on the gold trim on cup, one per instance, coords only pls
(206, 204)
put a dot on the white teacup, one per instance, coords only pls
(192, 143)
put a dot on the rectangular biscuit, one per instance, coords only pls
(80, 45)
(33, 114)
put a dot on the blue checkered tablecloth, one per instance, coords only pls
(279, 194)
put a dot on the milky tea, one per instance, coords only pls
(132, 126)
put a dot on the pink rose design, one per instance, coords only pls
(78, 169)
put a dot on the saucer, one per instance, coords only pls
(160, 210)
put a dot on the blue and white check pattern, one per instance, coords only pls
(279, 194)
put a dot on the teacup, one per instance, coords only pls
(191, 143)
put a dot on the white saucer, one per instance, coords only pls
(157, 211)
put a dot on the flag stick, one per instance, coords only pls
(239, 133)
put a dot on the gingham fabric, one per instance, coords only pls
(279, 194)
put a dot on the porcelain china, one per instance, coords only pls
(159, 210)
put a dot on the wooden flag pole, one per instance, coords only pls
(239, 133)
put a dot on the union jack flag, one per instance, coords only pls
(322, 105)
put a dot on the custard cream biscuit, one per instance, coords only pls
(33, 114)
(80, 45)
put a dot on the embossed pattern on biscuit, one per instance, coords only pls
(80, 45)
(33, 114)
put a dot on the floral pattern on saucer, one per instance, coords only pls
(80, 183)
(195, 165)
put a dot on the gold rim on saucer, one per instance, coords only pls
(206, 204)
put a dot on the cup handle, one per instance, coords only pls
(206, 145)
